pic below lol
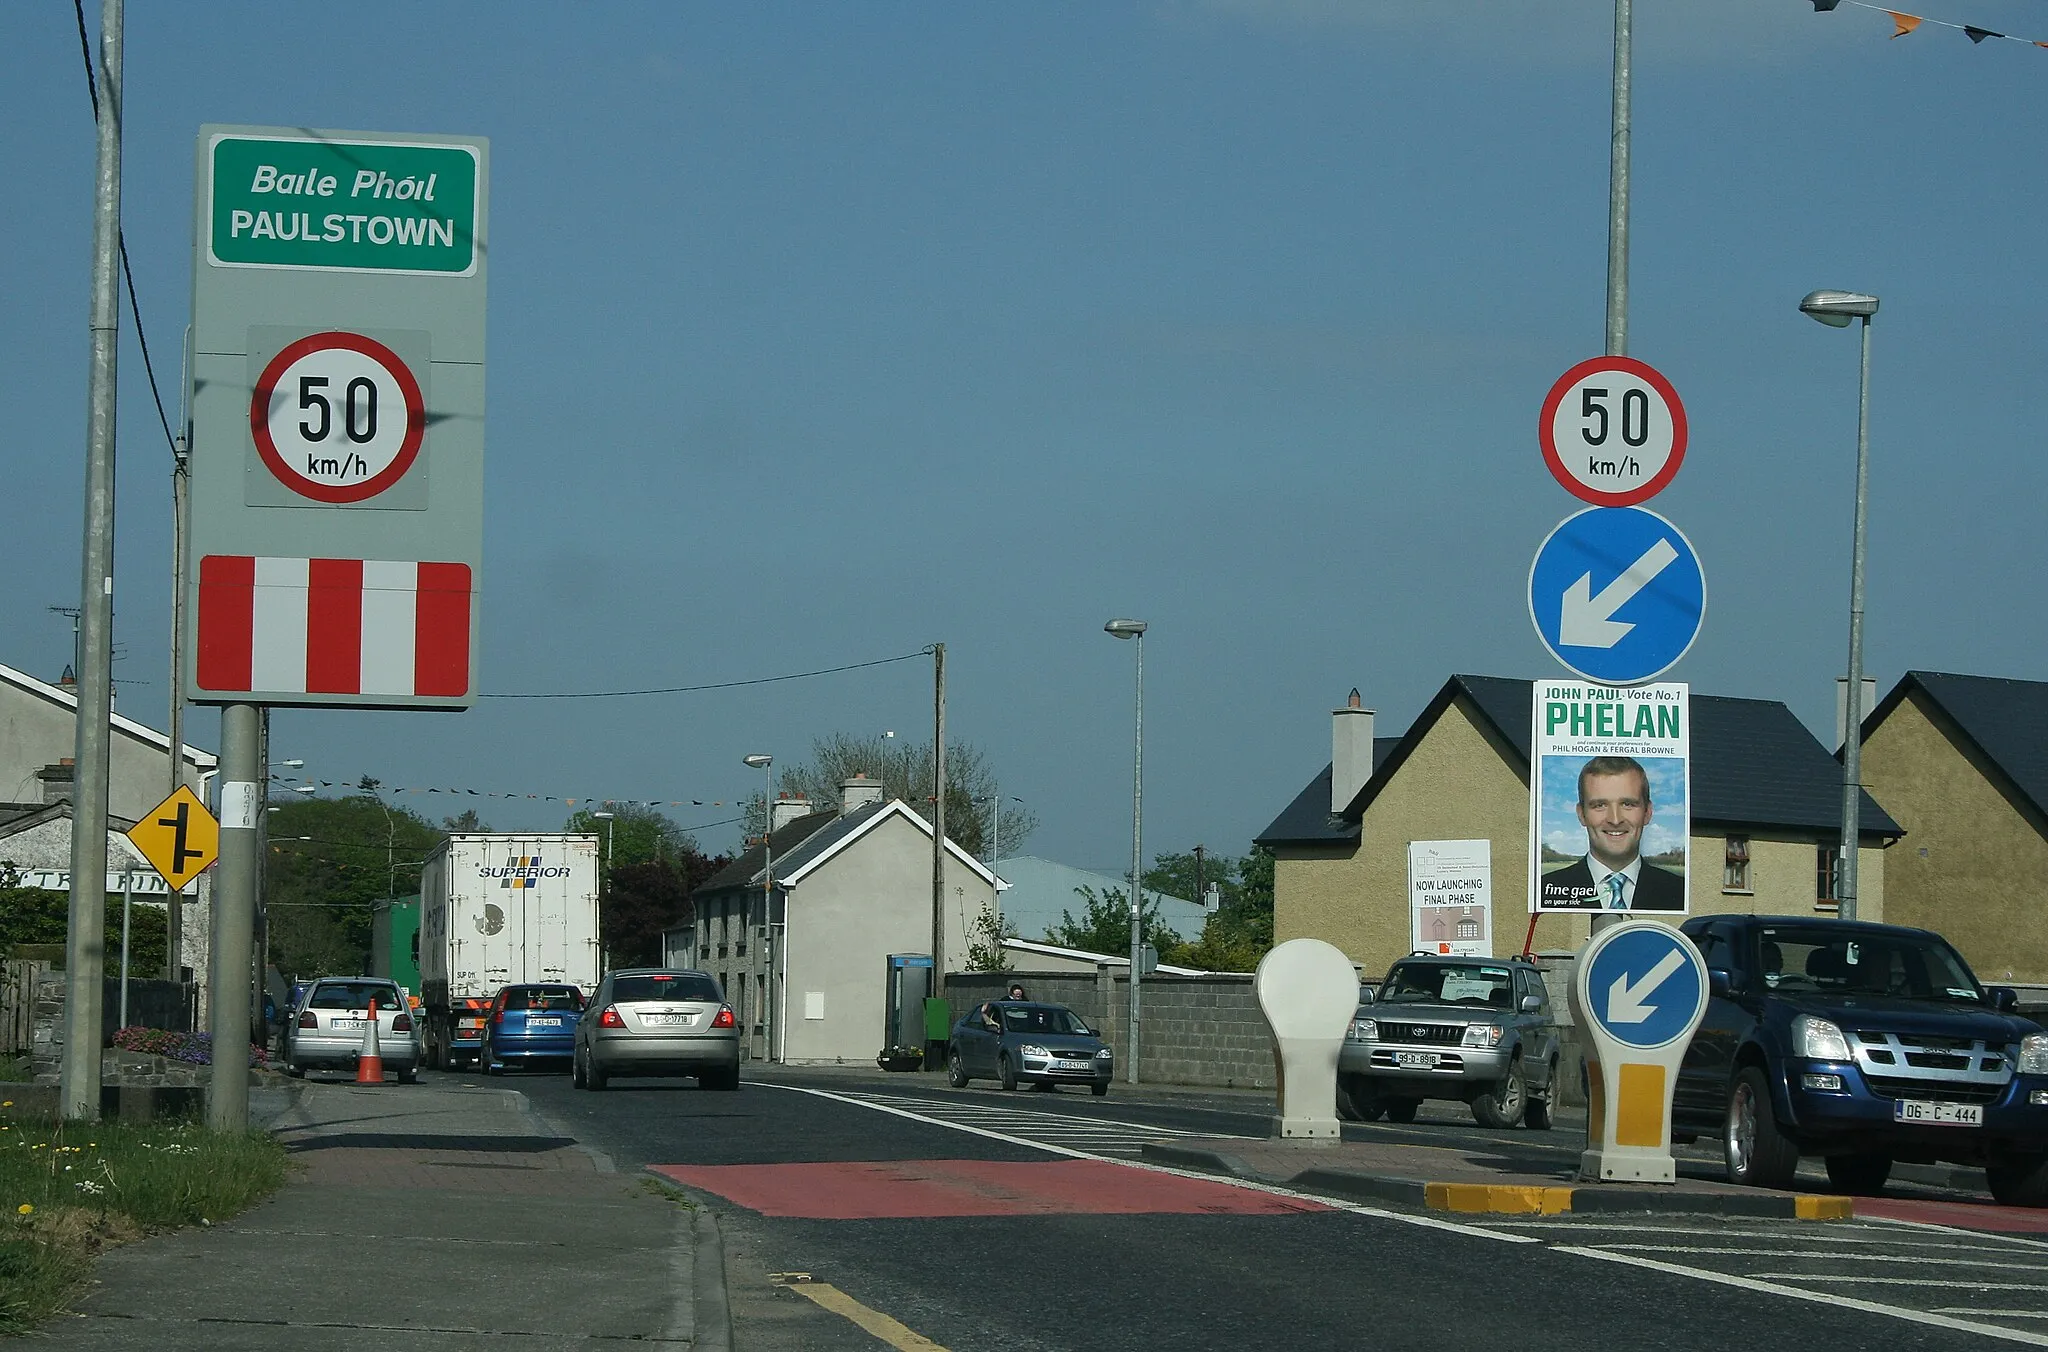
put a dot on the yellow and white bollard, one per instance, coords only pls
(1638, 993)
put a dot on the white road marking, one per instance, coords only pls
(1991, 1314)
(1271, 1190)
(1835, 1300)
(1822, 1253)
(1899, 1281)
(1836, 1234)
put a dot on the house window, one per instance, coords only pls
(1827, 857)
(1735, 865)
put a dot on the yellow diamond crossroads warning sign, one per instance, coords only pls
(179, 838)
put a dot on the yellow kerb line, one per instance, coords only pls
(882, 1326)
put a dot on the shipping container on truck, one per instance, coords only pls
(498, 910)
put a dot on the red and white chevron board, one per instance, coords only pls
(333, 626)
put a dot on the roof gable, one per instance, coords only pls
(21, 680)
(2007, 720)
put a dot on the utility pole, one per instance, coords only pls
(181, 519)
(938, 819)
(85, 937)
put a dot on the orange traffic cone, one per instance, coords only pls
(370, 1060)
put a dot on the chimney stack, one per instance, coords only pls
(787, 809)
(857, 793)
(57, 780)
(1350, 752)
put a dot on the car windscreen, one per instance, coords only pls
(1448, 983)
(1838, 960)
(557, 999)
(1043, 1019)
(664, 986)
(355, 995)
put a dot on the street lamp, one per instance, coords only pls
(1135, 629)
(776, 1031)
(1836, 309)
(604, 957)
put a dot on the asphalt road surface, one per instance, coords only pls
(862, 1210)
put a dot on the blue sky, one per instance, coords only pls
(820, 333)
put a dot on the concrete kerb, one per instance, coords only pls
(1512, 1199)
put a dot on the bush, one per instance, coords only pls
(193, 1048)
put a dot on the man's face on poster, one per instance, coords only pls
(1614, 809)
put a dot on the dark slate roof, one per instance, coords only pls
(1307, 820)
(1753, 764)
(740, 872)
(2008, 721)
(818, 842)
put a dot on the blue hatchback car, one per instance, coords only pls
(529, 1025)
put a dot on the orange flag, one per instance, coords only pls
(1906, 22)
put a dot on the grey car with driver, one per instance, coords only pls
(1479, 1031)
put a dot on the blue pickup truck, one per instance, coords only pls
(1864, 1044)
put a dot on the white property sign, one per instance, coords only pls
(1450, 896)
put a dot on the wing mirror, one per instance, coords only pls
(2004, 999)
(1531, 1004)
(1719, 983)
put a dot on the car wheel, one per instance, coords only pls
(593, 1074)
(1006, 1071)
(1759, 1153)
(956, 1069)
(1537, 1118)
(576, 1069)
(297, 1072)
(2018, 1180)
(1402, 1110)
(410, 1075)
(1355, 1100)
(1859, 1175)
(1504, 1105)
(1100, 1088)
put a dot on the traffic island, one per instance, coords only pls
(1474, 1182)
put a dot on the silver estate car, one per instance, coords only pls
(1478, 1031)
(326, 1031)
(657, 1021)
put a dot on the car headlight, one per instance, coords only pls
(1033, 1049)
(2034, 1054)
(1104, 1054)
(1483, 1035)
(1366, 1030)
(1822, 1040)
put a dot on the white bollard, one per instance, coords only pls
(1308, 992)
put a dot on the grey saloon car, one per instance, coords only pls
(1020, 1041)
(326, 1030)
(1478, 1031)
(657, 1021)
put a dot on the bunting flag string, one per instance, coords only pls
(1902, 23)
(588, 799)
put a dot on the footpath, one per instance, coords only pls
(428, 1216)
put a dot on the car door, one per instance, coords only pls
(983, 1028)
(1539, 1030)
(1709, 1063)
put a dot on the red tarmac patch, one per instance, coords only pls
(917, 1189)
(1961, 1215)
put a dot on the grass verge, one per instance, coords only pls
(71, 1190)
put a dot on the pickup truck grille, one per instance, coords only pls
(1913, 1065)
(1420, 1034)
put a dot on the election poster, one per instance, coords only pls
(1610, 795)
(1450, 897)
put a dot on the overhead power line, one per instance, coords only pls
(714, 685)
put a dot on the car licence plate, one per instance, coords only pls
(1938, 1114)
(1071, 1065)
(1415, 1060)
(668, 1020)
(543, 1023)
(349, 1025)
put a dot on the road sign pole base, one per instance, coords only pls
(1307, 1129)
(1620, 1164)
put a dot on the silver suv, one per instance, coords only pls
(1475, 1030)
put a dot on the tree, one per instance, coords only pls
(985, 943)
(905, 771)
(643, 900)
(330, 858)
(1105, 925)
(1178, 876)
(35, 915)
(636, 833)
(1241, 932)
(468, 823)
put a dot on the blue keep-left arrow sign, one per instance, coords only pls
(1617, 594)
(1646, 986)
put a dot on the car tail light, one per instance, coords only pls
(610, 1019)
(309, 1020)
(724, 1019)
(402, 1024)
(497, 1016)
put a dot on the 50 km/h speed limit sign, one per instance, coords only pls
(1613, 431)
(337, 417)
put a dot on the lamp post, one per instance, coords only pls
(1836, 309)
(603, 957)
(778, 1035)
(1135, 629)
